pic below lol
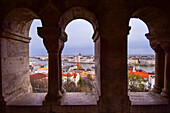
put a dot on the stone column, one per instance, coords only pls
(60, 71)
(63, 38)
(97, 84)
(2, 101)
(51, 37)
(166, 91)
(159, 68)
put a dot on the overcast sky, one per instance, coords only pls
(80, 39)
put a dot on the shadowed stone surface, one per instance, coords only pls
(35, 99)
(78, 99)
(144, 98)
(30, 99)
(110, 19)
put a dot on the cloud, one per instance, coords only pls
(140, 51)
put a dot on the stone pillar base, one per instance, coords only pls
(49, 103)
(160, 96)
(156, 90)
(53, 99)
(165, 94)
(63, 91)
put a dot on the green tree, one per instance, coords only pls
(80, 82)
(70, 87)
(89, 77)
(135, 84)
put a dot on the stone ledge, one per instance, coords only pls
(16, 37)
(36, 99)
(77, 98)
(81, 102)
(30, 99)
(144, 98)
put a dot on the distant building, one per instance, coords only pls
(141, 60)
(70, 76)
(141, 73)
(86, 73)
(151, 81)
(148, 61)
(79, 58)
(133, 61)
(148, 77)
(42, 70)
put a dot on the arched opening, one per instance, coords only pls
(141, 58)
(79, 31)
(67, 19)
(38, 60)
(78, 67)
(158, 25)
(16, 85)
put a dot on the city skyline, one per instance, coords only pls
(80, 33)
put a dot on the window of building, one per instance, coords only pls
(78, 55)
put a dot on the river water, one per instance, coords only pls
(85, 66)
(146, 68)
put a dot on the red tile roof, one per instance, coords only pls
(142, 74)
(70, 74)
(38, 75)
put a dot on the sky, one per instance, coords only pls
(79, 40)
(138, 44)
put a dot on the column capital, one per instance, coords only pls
(51, 45)
(95, 35)
(156, 46)
(61, 46)
(149, 36)
(125, 30)
(154, 39)
(129, 28)
(51, 37)
(63, 38)
(51, 33)
(157, 36)
(166, 46)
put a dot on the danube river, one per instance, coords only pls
(85, 66)
(45, 63)
(146, 68)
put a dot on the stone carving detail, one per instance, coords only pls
(166, 46)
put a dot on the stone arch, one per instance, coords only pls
(158, 25)
(83, 13)
(15, 53)
(78, 13)
(156, 19)
(18, 21)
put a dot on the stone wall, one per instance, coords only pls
(15, 68)
(97, 62)
(111, 50)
